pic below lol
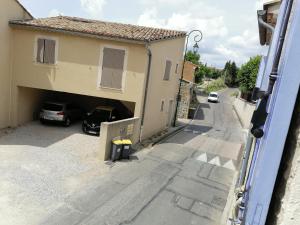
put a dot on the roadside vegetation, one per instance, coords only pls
(215, 85)
(214, 79)
(204, 72)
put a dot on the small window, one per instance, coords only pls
(176, 69)
(112, 68)
(162, 106)
(168, 70)
(45, 51)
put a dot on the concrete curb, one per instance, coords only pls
(169, 134)
(238, 116)
(138, 147)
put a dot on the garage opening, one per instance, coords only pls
(30, 101)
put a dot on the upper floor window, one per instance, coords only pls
(46, 51)
(167, 70)
(113, 68)
(162, 105)
(176, 69)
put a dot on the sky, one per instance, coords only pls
(229, 27)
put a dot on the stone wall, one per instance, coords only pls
(285, 204)
(186, 97)
(189, 71)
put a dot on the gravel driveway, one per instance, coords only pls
(41, 166)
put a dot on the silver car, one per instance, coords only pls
(64, 113)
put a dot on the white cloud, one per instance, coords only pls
(55, 12)
(212, 27)
(229, 28)
(93, 7)
(245, 40)
(149, 18)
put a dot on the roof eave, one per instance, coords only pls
(74, 33)
(17, 24)
(167, 39)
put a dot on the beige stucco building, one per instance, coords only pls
(90, 62)
(271, 9)
(9, 10)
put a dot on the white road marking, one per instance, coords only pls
(202, 158)
(215, 161)
(229, 165)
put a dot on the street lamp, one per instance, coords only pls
(195, 47)
(197, 38)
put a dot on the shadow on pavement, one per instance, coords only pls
(189, 133)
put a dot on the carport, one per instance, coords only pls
(30, 100)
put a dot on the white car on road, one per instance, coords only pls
(213, 97)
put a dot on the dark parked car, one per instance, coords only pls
(92, 122)
(64, 113)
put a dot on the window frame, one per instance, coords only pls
(35, 49)
(118, 47)
(162, 105)
(164, 70)
(177, 68)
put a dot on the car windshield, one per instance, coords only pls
(101, 114)
(213, 95)
(52, 107)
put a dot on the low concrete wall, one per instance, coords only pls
(128, 128)
(244, 111)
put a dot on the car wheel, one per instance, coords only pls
(67, 122)
(42, 121)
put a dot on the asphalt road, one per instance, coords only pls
(185, 180)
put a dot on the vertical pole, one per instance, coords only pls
(180, 81)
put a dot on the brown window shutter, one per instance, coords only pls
(49, 57)
(112, 68)
(40, 50)
(168, 70)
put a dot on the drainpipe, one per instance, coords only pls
(146, 90)
(262, 14)
(260, 115)
(263, 25)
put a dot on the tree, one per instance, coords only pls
(230, 73)
(215, 73)
(200, 74)
(193, 57)
(247, 75)
(203, 69)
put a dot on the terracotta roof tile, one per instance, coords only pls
(100, 29)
